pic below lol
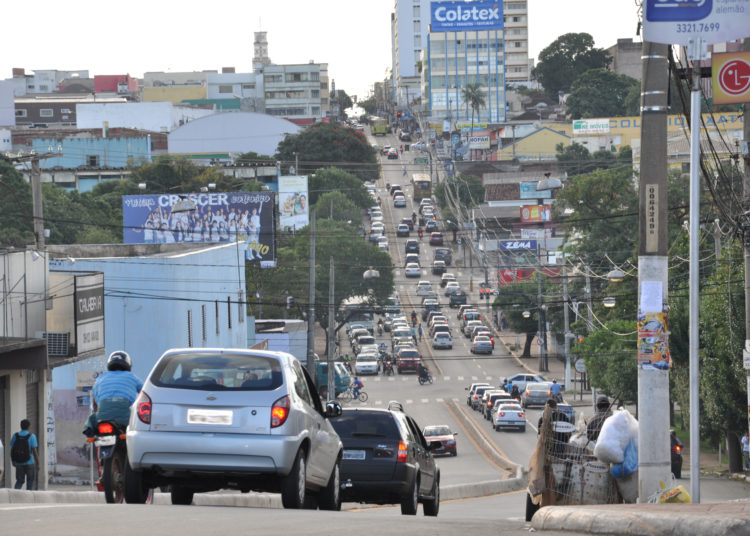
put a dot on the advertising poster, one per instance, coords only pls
(293, 202)
(535, 213)
(653, 344)
(731, 77)
(463, 16)
(248, 217)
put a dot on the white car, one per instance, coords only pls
(399, 201)
(451, 286)
(520, 380)
(509, 416)
(378, 226)
(412, 270)
(442, 340)
(366, 364)
(424, 288)
(383, 243)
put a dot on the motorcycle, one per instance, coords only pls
(427, 378)
(388, 369)
(676, 457)
(380, 329)
(116, 479)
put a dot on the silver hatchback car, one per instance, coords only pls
(211, 418)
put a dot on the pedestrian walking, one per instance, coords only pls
(24, 455)
(403, 168)
(746, 450)
(419, 331)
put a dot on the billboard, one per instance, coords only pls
(89, 312)
(590, 126)
(535, 213)
(463, 16)
(517, 245)
(731, 77)
(479, 142)
(217, 218)
(677, 22)
(529, 191)
(294, 212)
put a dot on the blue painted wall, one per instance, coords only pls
(111, 152)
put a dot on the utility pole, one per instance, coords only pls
(38, 208)
(566, 321)
(746, 235)
(311, 303)
(541, 317)
(331, 335)
(653, 384)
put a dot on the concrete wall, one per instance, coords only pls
(146, 306)
(109, 152)
(172, 94)
(151, 116)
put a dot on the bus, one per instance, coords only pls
(359, 310)
(379, 126)
(422, 186)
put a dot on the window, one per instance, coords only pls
(190, 328)
(92, 160)
(44, 87)
(248, 86)
(21, 113)
(273, 78)
(315, 110)
(65, 111)
(296, 77)
(417, 40)
(225, 89)
(417, 26)
(315, 93)
(203, 322)
(46, 112)
(229, 312)
(300, 385)
(216, 310)
(314, 77)
(417, 11)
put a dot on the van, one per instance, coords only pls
(443, 254)
(462, 309)
(342, 381)
(469, 316)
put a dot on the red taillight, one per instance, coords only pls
(279, 411)
(489, 402)
(677, 448)
(501, 414)
(143, 408)
(522, 415)
(476, 396)
(106, 428)
(402, 456)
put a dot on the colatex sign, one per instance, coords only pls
(462, 16)
(89, 312)
(731, 77)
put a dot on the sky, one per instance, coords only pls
(352, 36)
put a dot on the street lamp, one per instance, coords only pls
(616, 275)
(609, 302)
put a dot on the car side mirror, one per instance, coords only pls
(333, 409)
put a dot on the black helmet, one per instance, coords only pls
(119, 360)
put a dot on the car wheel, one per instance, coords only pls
(432, 506)
(181, 495)
(410, 503)
(523, 429)
(136, 491)
(293, 486)
(330, 496)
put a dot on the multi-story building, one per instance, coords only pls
(56, 109)
(42, 81)
(297, 92)
(411, 27)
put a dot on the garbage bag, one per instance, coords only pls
(617, 432)
(629, 464)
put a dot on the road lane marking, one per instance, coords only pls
(425, 401)
(409, 401)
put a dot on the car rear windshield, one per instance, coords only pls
(437, 431)
(213, 372)
(409, 354)
(365, 424)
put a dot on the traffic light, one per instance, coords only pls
(398, 114)
(579, 338)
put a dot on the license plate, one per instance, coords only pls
(209, 416)
(354, 455)
(105, 441)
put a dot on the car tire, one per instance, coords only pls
(136, 491)
(330, 496)
(531, 508)
(181, 495)
(432, 506)
(410, 503)
(293, 486)
(523, 429)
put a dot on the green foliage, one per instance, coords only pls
(325, 144)
(604, 207)
(514, 300)
(474, 97)
(600, 93)
(253, 157)
(16, 221)
(565, 59)
(345, 101)
(337, 206)
(333, 179)
(369, 105)
(352, 256)
(611, 359)
(575, 159)
(466, 190)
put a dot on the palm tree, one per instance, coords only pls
(474, 97)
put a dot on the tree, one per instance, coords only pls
(325, 144)
(565, 59)
(466, 191)
(16, 221)
(333, 179)
(369, 105)
(253, 158)
(336, 206)
(600, 93)
(345, 102)
(474, 98)
(515, 300)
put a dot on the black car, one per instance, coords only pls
(443, 254)
(457, 298)
(387, 460)
(412, 246)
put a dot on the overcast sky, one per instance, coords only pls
(352, 36)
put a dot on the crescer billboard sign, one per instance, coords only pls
(463, 16)
(246, 217)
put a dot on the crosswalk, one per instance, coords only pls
(434, 378)
(408, 401)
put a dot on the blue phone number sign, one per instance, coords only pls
(677, 22)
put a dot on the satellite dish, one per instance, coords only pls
(537, 125)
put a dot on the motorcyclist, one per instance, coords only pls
(419, 232)
(114, 392)
(380, 327)
(603, 411)
(414, 217)
(423, 372)
(515, 393)
(555, 390)
(414, 318)
(388, 366)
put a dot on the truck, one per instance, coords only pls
(341, 383)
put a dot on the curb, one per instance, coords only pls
(643, 521)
